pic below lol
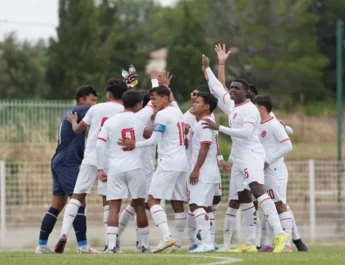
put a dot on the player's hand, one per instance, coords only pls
(72, 117)
(266, 165)
(186, 142)
(186, 129)
(224, 166)
(222, 54)
(127, 143)
(102, 176)
(205, 61)
(207, 123)
(205, 73)
(194, 177)
(283, 123)
(164, 79)
(194, 95)
(155, 74)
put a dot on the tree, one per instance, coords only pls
(184, 54)
(73, 59)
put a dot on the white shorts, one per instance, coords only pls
(276, 184)
(232, 190)
(202, 193)
(169, 185)
(148, 179)
(218, 190)
(127, 185)
(87, 177)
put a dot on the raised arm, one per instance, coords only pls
(222, 58)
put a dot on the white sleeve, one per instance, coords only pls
(154, 83)
(88, 117)
(175, 105)
(285, 145)
(145, 114)
(101, 147)
(217, 89)
(243, 132)
(153, 140)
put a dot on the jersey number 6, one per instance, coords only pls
(128, 134)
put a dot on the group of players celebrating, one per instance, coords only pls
(124, 135)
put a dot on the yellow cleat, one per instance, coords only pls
(164, 245)
(280, 242)
(243, 248)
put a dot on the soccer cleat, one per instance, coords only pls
(300, 245)
(280, 242)
(266, 249)
(216, 246)
(164, 245)
(223, 248)
(43, 250)
(287, 249)
(86, 250)
(113, 251)
(138, 247)
(145, 250)
(192, 247)
(174, 248)
(243, 248)
(60, 245)
(202, 249)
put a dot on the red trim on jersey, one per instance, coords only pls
(271, 118)
(282, 141)
(206, 142)
(100, 138)
(249, 123)
(224, 97)
(241, 104)
(83, 122)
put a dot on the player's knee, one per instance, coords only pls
(281, 207)
(257, 189)
(216, 199)
(235, 204)
(177, 206)
(193, 207)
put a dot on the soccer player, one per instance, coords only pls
(95, 118)
(204, 179)
(65, 166)
(125, 178)
(248, 157)
(169, 181)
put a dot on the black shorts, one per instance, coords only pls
(64, 179)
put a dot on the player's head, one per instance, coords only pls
(115, 88)
(160, 97)
(238, 90)
(146, 97)
(252, 92)
(132, 100)
(201, 88)
(264, 104)
(86, 95)
(204, 104)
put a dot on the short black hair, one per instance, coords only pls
(204, 88)
(131, 98)
(243, 82)
(253, 89)
(146, 97)
(265, 101)
(160, 91)
(116, 87)
(84, 91)
(209, 99)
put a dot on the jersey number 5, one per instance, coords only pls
(128, 134)
(181, 128)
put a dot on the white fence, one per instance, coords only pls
(315, 194)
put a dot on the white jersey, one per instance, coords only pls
(95, 118)
(272, 136)
(149, 159)
(171, 148)
(209, 172)
(243, 113)
(125, 125)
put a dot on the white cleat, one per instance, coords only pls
(223, 248)
(164, 245)
(87, 250)
(174, 249)
(203, 249)
(43, 250)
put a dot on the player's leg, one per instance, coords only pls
(113, 225)
(296, 238)
(126, 215)
(258, 223)
(192, 232)
(102, 191)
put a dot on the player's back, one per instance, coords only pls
(244, 113)
(124, 125)
(95, 119)
(70, 149)
(171, 148)
(149, 159)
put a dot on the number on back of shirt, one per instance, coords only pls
(181, 129)
(128, 134)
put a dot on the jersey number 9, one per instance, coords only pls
(128, 134)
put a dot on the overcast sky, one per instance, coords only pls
(33, 19)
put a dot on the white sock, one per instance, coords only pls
(229, 225)
(258, 230)
(180, 225)
(105, 221)
(125, 217)
(249, 218)
(112, 235)
(264, 232)
(295, 234)
(144, 237)
(191, 228)
(69, 216)
(269, 209)
(286, 222)
(160, 218)
(213, 226)
(203, 224)
(138, 242)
